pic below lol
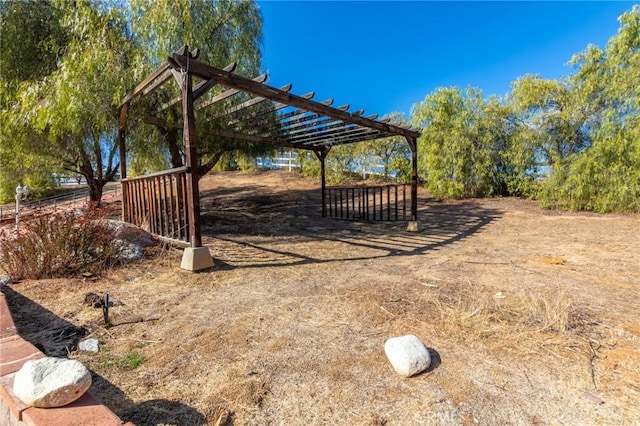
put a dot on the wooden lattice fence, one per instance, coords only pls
(370, 203)
(158, 203)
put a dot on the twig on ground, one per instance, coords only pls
(594, 345)
(135, 321)
(139, 340)
(387, 311)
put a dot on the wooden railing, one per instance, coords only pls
(158, 203)
(371, 203)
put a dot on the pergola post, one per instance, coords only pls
(122, 135)
(414, 224)
(195, 257)
(322, 155)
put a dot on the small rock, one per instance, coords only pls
(51, 382)
(407, 354)
(592, 398)
(88, 345)
(5, 280)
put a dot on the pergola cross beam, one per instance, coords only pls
(247, 85)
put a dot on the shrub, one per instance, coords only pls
(55, 245)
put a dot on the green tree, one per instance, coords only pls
(70, 115)
(224, 32)
(514, 167)
(606, 176)
(393, 152)
(454, 146)
(555, 118)
(31, 38)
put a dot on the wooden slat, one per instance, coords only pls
(226, 134)
(338, 131)
(148, 81)
(299, 128)
(163, 206)
(310, 135)
(185, 206)
(138, 185)
(172, 209)
(357, 136)
(249, 119)
(244, 105)
(228, 93)
(301, 116)
(164, 172)
(204, 86)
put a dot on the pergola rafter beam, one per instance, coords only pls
(249, 103)
(340, 135)
(156, 78)
(262, 90)
(228, 134)
(259, 115)
(228, 93)
(327, 132)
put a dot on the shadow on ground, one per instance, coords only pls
(259, 226)
(57, 337)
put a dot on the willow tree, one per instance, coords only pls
(224, 32)
(606, 176)
(31, 41)
(71, 113)
(393, 153)
(454, 148)
(555, 116)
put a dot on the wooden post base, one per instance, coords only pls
(196, 259)
(414, 226)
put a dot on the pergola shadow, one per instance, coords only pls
(254, 226)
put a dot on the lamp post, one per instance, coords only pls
(21, 194)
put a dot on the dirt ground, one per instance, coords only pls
(531, 316)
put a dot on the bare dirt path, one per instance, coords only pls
(531, 315)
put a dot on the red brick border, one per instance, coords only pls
(14, 352)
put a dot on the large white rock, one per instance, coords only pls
(407, 355)
(51, 382)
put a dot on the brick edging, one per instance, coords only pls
(14, 352)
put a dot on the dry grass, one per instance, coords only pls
(290, 325)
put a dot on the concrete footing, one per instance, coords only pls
(196, 259)
(414, 226)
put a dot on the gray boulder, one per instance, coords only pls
(51, 382)
(127, 250)
(407, 355)
(131, 233)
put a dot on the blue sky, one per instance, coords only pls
(385, 56)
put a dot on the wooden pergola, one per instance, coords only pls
(283, 119)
